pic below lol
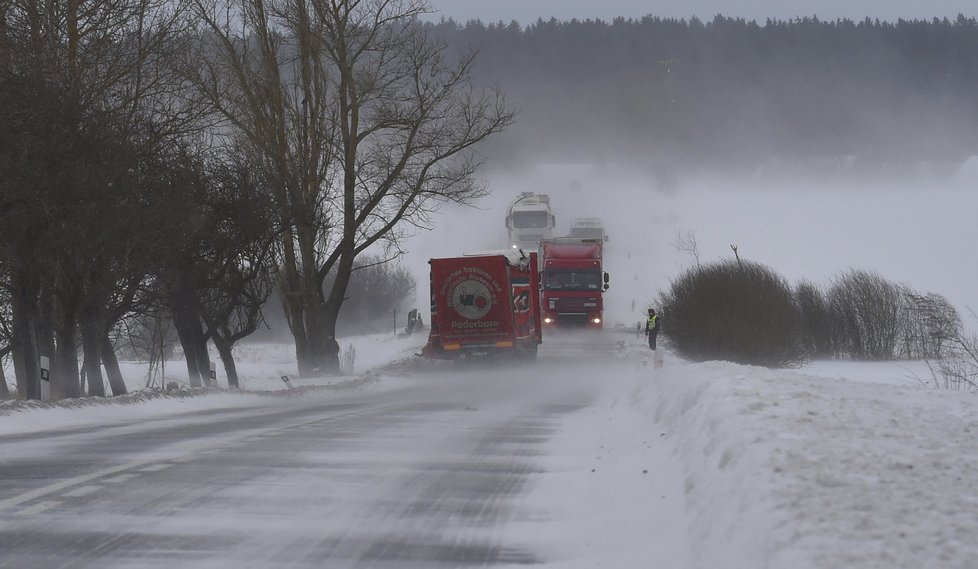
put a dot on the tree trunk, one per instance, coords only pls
(46, 343)
(321, 357)
(203, 358)
(116, 381)
(92, 348)
(225, 349)
(26, 363)
(191, 336)
(65, 380)
(331, 313)
(4, 390)
(307, 315)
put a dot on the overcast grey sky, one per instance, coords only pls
(526, 11)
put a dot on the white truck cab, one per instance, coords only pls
(530, 220)
(588, 228)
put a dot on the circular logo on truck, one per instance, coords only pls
(471, 299)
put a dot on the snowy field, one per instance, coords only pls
(710, 465)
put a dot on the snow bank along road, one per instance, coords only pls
(457, 467)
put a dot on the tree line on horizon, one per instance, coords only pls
(677, 95)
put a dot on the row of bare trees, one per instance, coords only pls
(182, 158)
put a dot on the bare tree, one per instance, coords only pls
(362, 125)
(686, 243)
(242, 260)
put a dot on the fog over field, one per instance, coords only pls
(523, 11)
(922, 234)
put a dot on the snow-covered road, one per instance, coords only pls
(575, 462)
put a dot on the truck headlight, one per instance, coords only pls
(548, 320)
(596, 320)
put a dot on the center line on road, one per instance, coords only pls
(156, 467)
(38, 508)
(81, 491)
(121, 478)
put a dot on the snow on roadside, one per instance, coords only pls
(789, 469)
(717, 465)
(260, 368)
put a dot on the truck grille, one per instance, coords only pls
(572, 320)
(575, 304)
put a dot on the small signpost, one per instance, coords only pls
(45, 378)
(213, 374)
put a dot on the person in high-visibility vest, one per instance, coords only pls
(652, 328)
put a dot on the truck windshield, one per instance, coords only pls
(587, 232)
(571, 280)
(530, 219)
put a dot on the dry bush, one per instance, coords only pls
(816, 320)
(958, 369)
(742, 312)
(931, 326)
(866, 313)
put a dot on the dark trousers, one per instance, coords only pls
(652, 336)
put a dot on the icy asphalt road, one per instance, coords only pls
(430, 475)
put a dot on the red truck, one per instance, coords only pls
(573, 283)
(484, 305)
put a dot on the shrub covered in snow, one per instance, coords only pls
(737, 311)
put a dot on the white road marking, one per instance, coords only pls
(59, 486)
(156, 467)
(81, 491)
(121, 478)
(38, 508)
(186, 457)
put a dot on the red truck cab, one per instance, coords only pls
(573, 283)
(483, 305)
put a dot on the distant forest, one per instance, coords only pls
(732, 94)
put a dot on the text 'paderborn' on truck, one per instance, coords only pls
(573, 283)
(530, 220)
(485, 304)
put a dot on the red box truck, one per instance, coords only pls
(484, 305)
(574, 283)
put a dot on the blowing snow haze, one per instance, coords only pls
(527, 12)
(814, 144)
